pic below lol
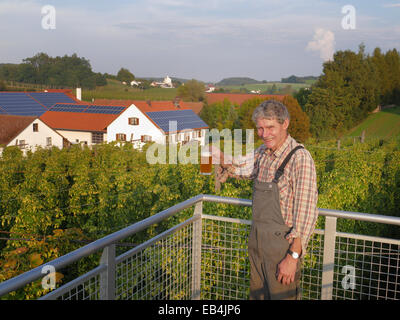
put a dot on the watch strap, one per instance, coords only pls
(294, 255)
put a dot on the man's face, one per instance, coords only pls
(272, 133)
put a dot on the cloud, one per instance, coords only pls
(324, 43)
(391, 5)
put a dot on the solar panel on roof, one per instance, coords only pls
(105, 109)
(185, 119)
(87, 108)
(68, 107)
(50, 98)
(19, 103)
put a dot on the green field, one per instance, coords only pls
(268, 86)
(116, 90)
(384, 124)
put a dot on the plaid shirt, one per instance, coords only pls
(297, 186)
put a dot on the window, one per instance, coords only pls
(97, 137)
(48, 141)
(121, 137)
(35, 127)
(146, 138)
(133, 121)
(21, 144)
(187, 136)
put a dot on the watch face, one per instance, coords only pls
(295, 255)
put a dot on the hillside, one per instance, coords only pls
(116, 90)
(384, 124)
(237, 81)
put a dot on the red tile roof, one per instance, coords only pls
(11, 126)
(78, 121)
(239, 98)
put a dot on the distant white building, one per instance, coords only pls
(210, 88)
(135, 83)
(167, 83)
(28, 133)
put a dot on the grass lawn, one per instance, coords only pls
(116, 90)
(265, 86)
(383, 124)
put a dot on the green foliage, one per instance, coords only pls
(67, 71)
(192, 90)
(52, 200)
(352, 86)
(220, 115)
(125, 75)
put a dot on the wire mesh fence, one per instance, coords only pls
(158, 270)
(206, 257)
(366, 268)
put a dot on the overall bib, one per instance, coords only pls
(267, 244)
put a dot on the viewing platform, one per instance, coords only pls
(205, 257)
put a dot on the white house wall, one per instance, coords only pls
(77, 136)
(35, 139)
(145, 127)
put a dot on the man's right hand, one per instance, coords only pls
(219, 156)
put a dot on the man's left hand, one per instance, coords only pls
(286, 270)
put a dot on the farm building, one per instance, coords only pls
(28, 133)
(84, 123)
(138, 123)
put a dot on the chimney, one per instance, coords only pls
(149, 102)
(79, 94)
(176, 103)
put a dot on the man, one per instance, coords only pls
(284, 204)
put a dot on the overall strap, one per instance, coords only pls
(281, 168)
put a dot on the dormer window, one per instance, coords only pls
(133, 121)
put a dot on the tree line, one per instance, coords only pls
(351, 86)
(66, 71)
(221, 115)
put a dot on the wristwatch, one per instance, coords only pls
(294, 255)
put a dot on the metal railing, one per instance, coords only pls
(205, 257)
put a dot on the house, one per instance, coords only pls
(210, 88)
(140, 122)
(162, 122)
(89, 124)
(28, 133)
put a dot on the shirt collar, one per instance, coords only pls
(278, 152)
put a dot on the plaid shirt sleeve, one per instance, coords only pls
(305, 197)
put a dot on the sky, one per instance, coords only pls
(207, 40)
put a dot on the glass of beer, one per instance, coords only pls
(205, 162)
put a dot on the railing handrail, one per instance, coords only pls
(36, 273)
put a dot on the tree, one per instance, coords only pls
(192, 90)
(220, 115)
(124, 75)
(3, 86)
(299, 126)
